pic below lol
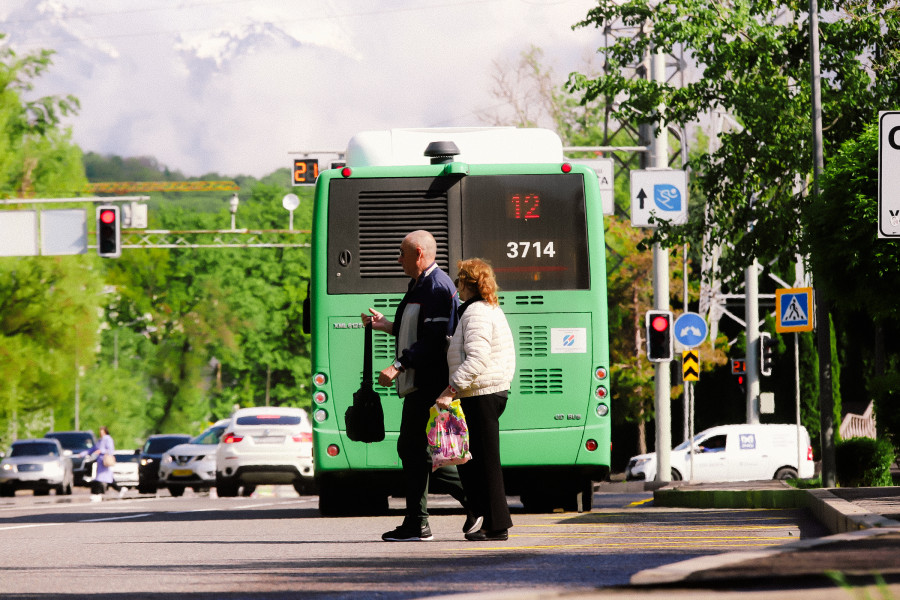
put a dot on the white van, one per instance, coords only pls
(734, 453)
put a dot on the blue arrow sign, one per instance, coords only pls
(690, 330)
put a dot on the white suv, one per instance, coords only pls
(265, 445)
(192, 464)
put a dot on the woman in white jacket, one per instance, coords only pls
(482, 361)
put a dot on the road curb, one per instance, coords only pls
(836, 514)
(845, 520)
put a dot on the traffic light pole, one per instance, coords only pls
(659, 157)
(751, 316)
(663, 380)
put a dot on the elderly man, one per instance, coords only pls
(424, 320)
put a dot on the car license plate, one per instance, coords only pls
(182, 472)
(269, 439)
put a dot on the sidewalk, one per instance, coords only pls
(865, 542)
(865, 523)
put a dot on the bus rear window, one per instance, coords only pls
(531, 228)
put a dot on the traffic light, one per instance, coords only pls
(766, 353)
(740, 380)
(660, 343)
(108, 232)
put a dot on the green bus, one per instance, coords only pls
(502, 194)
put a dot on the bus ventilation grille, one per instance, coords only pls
(382, 347)
(525, 300)
(386, 303)
(540, 381)
(533, 341)
(384, 220)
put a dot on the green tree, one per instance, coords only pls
(753, 63)
(222, 324)
(48, 305)
(854, 267)
(29, 129)
(753, 59)
(48, 334)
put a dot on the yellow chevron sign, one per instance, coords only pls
(690, 365)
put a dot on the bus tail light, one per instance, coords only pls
(230, 438)
(601, 373)
(601, 392)
(319, 379)
(332, 450)
(346, 172)
(591, 445)
(602, 410)
(566, 168)
(320, 415)
(320, 397)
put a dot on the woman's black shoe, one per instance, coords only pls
(483, 535)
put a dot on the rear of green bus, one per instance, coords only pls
(541, 228)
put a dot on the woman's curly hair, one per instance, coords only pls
(478, 275)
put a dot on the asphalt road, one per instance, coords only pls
(275, 545)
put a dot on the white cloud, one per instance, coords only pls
(232, 86)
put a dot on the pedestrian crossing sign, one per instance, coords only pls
(794, 308)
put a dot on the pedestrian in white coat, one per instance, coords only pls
(482, 363)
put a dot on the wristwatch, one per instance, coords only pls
(398, 365)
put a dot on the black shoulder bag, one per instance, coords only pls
(364, 420)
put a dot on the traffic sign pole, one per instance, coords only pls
(663, 383)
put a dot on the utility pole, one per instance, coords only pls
(659, 157)
(823, 320)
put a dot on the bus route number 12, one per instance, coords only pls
(522, 249)
(523, 206)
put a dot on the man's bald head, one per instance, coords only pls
(417, 252)
(424, 240)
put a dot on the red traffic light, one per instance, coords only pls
(659, 335)
(659, 323)
(107, 216)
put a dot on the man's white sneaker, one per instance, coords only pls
(96, 497)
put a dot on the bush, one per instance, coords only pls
(864, 462)
(886, 393)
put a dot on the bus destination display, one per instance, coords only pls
(530, 227)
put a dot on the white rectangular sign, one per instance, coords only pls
(63, 231)
(568, 340)
(18, 233)
(889, 174)
(603, 167)
(661, 193)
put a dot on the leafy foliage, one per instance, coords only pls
(753, 58)
(864, 462)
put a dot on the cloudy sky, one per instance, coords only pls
(235, 86)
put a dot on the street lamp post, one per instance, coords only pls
(233, 206)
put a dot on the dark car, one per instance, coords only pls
(151, 454)
(73, 443)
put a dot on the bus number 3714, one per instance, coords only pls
(521, 249)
